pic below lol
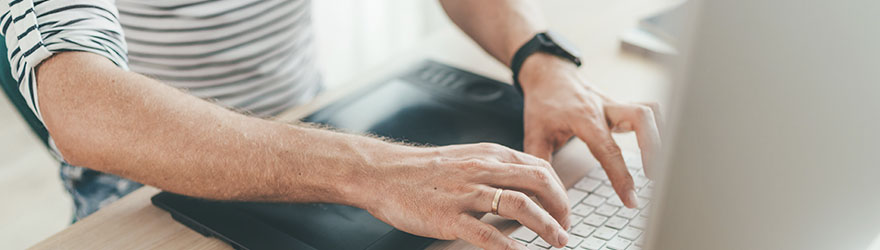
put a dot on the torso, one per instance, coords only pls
(256, 56)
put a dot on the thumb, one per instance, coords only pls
(539, 145)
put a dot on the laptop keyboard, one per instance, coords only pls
(598, 218)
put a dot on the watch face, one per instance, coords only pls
(562, 43)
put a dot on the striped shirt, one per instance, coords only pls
(255, 56)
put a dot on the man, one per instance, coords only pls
(82, 65)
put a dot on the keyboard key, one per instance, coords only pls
(575, 196)
(582, 230)
(628, 213)
(634, 169)
(604, 233)
(582, 210)
(614, 201)
(634, 248)
(592, 243)
(606, 210)
(640, 181)
(524, 234)
(605, 191)
(642, 202)
(598, 174)
(646, 192)
(630, 233)
(641, 173)
(619, 243)
(645, 211)
(575, 219)
(616, 222)
(640, 241)
(594, 200)
(633, 159)
(587, 184)
(595, 220)
(536, 247)
(573, 241)
(540, 242)
(639, 222)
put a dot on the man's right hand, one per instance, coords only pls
(442, 192)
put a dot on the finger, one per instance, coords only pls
(648, 136)
(638, 118)
(658, 116)
(539, 145)
(484, 235)
(538, 159)
(518, 206)
(536, 181)
(598, 139)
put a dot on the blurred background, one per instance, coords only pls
(353, 36)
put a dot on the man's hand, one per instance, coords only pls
(559, 104)
(442, 192)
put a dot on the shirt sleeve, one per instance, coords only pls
(36, 29)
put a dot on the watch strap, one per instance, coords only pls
(532, 46)
(541, 42)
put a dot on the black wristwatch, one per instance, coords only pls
(547, 42)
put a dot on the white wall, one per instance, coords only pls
(354, 35)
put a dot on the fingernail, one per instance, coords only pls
(563, 237)
(567, 224)
(633, 199)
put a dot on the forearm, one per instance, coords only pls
(499, 26)
(126, 124)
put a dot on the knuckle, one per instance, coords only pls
(484, 234)
(596, 124)
(510, 245)
(471, 164)
(519, 201)
(549, 226)
(623, 182)
(487, 146)
(542, 175)
(589, 108)
(465, 190)
(494, 151)
(545, 164)
(565, 209)
(611, 150)
(644, 111)
(467, 193)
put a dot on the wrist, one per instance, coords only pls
(383, 165)
(537, 67)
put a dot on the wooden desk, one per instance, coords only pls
(594, 25)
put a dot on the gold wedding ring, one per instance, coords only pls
(496, 200)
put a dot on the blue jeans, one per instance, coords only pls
(92, 190)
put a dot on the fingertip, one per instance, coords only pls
(631, 199)
(562, 237)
